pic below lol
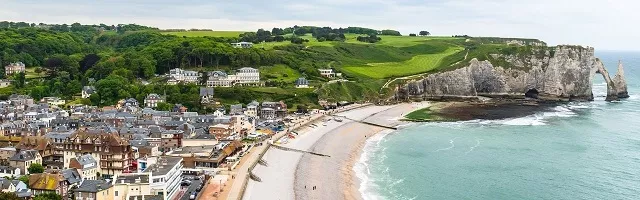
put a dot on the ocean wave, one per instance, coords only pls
(362, 170)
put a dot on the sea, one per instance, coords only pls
(588, 150)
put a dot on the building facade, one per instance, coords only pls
(114, 153)
(152, 100)
(14, 68)
(165, 175)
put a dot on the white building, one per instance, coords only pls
(219, 79)
(245, 76)
(242, 45)
(54, 101)
(327, 73)
(185, 76)
(152, 100)
(14, 68)
(252, 109)
(165, 175)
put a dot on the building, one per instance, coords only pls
(115, 154)
(219, 79)
(23, 159)
(5, 83)
(12, 186)
(302, 83)
(94, 190)
(206, 94)
(14, 68)
(185, 76)
(6, 153)
(327, 73)
(87, 166)
(87, 91)
(235, 109)
(272, 110)
(165, 175)
(48, 183)
(252, 109)
(127, 186)
(152, 100)
(54, 101)
(45, 148)
(247, 76)
(171, 139)
(242, 45)
(220, 130)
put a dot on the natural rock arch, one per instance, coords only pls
(616, 87)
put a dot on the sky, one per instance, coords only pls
(602, 24)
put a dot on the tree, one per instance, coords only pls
(24, 178)
(412, 34)
(424, 33)
(18, 80)
(164, 106)
(35, 168)
(9, 196)
(277, 31)
(88, 61)
(48, 196)
(204, 77)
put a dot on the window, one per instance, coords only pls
(116, 193)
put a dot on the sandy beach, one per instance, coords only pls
(292, 175)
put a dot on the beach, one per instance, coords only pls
(292, 175)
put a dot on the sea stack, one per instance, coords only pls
(620, 84)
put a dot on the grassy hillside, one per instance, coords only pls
(279, 72)
(205, 33)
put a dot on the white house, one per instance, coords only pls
(14, 68)
(206, 94)
(186, 76)
(252, 109)
(219, 79)
(242, 45)
(327, 73)
(165, 175)
(247, 76)
(4, 83)
(54, 101)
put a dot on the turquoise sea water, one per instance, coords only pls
(579, 151)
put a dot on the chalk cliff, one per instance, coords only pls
(559, 74)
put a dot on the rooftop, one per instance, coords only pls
(163, 165)
(131, 178)
(93, 186)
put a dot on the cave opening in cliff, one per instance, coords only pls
(532, 93)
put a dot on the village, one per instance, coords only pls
(131, 150)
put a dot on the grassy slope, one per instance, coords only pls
(418, 64)
(282, 72)
(205, 33)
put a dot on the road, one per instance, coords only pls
(192, 188)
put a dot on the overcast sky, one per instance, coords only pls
(598, 23)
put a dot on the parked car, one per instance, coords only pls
(185, 183)
(193, 196)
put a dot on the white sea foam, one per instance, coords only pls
(362, 170)
(450, 147)
(473, 147)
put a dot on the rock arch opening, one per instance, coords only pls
(532, 93)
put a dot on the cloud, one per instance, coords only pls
(603, 24)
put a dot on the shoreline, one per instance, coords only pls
(345, 144)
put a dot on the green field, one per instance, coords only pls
(30, 73)
(420, 115)
(205, 33)
(279, 72)
(417, 64)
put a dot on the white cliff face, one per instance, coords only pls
(567, 75)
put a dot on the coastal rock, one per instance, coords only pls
(566, 74)
(620, 82)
